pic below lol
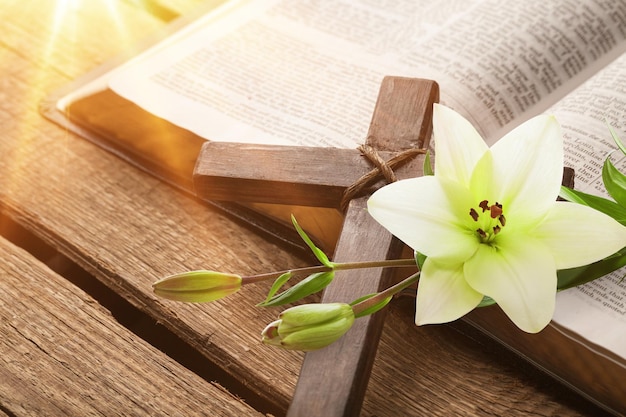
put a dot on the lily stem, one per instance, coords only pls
(358, 308)
(336, 266)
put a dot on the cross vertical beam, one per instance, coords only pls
(333, 380)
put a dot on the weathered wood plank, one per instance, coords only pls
(46, 185)
(454, 370)
(128, 229)
(306, 176)
(63, 354)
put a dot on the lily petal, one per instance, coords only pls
(418, 212)
(458, 146)
(520, 276)
(528, 165)
(481, 183)
(443, 295)
(579, 235)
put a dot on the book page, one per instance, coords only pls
(277, 72)
(584, 116)
(307, 73)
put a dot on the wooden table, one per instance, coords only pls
(84, 235)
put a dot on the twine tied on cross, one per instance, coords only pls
(382, 169)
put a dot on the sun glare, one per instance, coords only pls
(64, 22)
(68, 39)
(55, 42)
(61, 10)
(62, 7)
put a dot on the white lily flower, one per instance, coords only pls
(489, 222)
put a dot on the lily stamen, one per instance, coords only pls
(474, 214)
(496, 210)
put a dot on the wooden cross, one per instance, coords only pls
(332, 380)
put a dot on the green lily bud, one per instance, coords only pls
(197, 286)
(309, 326)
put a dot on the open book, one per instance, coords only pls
(307, 73)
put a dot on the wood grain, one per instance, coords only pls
(128, 229)
(296, 175)
(63, 354)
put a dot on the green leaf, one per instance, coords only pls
(617, 140)
(420, 258)
(604, 205)
(319, 254)
(614, 182)
(486, 302)
(310, 285)
(568, 278)
(280, 281)
(428, 168)
(372, 309)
